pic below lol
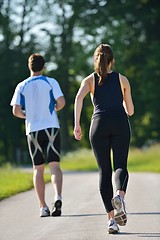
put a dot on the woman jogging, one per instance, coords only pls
(109, 130)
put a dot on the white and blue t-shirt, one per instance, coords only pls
(37, 95)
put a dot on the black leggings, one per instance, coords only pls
(108, 133)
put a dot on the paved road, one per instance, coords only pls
(83, 216)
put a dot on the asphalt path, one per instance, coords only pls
(83, 216)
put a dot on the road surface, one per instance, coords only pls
(83, 216)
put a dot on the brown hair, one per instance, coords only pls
(103, 56)
(36, 62)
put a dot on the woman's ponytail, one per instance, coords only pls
(103, 56)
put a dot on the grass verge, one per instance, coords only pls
(145, 160)
(13, 180)
(140, 160)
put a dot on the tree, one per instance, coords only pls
(132, 30)
(66, 33)
(14, 51)
(73, 47)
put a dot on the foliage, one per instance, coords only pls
(138, 59)
(66, 33)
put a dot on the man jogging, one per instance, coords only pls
(37, 100)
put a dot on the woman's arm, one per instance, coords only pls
(83, 90)
(127, 96)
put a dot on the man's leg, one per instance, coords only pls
(39, 184)
(56, 178)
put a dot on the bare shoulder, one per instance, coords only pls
(87, 80)
(124, 80)
(88, 83)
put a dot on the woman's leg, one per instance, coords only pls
(120, 147)
(101, 146)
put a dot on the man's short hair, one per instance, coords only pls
(36, 62)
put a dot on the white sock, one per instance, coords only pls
(58, 197)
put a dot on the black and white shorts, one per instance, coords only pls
(44, 145)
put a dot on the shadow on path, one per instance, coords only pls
(82, 215)
(144, 213)
(144, 235)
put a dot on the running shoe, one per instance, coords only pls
(112, 227)
(44, 212)
(119, 205)
(56, 209)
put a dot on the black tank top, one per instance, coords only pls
(108, 98)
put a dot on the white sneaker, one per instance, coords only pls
(112, 227)
(44, 212)
(119, 205)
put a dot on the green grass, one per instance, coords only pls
(80, 160)
(13, 180)
(146, 160)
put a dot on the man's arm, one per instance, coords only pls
(60, 103)
(18, 112)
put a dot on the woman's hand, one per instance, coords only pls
(77, 133)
